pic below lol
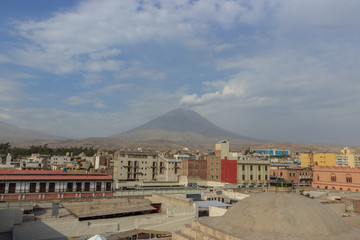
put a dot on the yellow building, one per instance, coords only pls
(325, 159)
(321, 159)
(306, 159)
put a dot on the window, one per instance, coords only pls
(259, 168)
(2, 187)
(12, 187)
(251, 168)
(243, 167)
(251, 177)
(69, 187)
(42, 187)
(98, 186)
(266, 177)
(243, 177)
(32, 187)
(108, 186)
(348, 178)
(333, 178)
(87, 187)
(259, 177)
(51, 187)
(265, 168)
(78, 186)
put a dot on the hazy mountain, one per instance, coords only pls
(11, 133)
(181, 125)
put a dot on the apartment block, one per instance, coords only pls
(145, 167)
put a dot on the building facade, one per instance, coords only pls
(196, 169)
(145, 167)
(253, 170)
(337, 178)
(297, 175)
(273, 152)
(46, 184)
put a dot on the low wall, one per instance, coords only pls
(9, 217)
(216, 211)
(71, 228)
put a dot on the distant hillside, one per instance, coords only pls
(9, 133)
(181, 126)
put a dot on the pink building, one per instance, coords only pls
(336, 178)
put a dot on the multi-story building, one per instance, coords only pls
(196, 169)
(336, 178)
(145, 167)
(222, 150)
(273, 152)
(45, 184)
(346, 158)
(297, 175)
(253, 170)
(59, 160)
(236, 168)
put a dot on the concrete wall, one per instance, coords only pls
(9, 217)
(216, 211)
(71, 228)
(173, 206)
(236, 195)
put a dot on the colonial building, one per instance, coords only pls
(45, 184)
(297, 175)
(337, 178)
(253, 170)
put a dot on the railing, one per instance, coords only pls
(142, 192)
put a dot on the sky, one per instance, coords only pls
(274, 70)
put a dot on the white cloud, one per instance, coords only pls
(76, 100)
(5, 116)
(91, 32)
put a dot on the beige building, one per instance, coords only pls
(145, 167)
(253, 170)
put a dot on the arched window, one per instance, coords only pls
(318, 178)
(333, 177)
(348, 178)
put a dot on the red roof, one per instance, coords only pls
(41, 175)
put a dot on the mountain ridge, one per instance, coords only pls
(9, 132)
(180, 125)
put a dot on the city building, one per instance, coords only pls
(235, 168)
(194, 169)
(46, 184)
(297, 175)
(253, 170)
(272, 152)
(59, 160)
(145, 167)
(347, 157)
(336, 178)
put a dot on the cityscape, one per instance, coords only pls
(182, 120)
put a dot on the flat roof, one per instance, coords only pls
(100, 212)
(206, 204)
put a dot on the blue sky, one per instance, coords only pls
(277, 70)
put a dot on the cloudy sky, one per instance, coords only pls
(276, 70)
